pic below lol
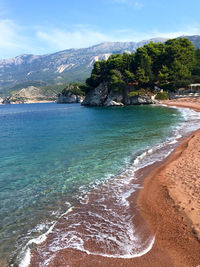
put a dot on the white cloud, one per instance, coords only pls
(135, 4)
(138, 5)
(136, 36)
(13, 41)
(9, 34)
(189, 30)
(79, 37)
(16, 40)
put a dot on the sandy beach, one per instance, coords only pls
(190, 102)
(170, 200)
(170, 205)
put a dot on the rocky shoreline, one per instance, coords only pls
(102, 96)
(69, 98)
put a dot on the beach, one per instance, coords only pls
(190, 102)
(168, 206)
(170, 200)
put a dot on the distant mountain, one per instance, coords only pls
(195, 39)
(64, 66)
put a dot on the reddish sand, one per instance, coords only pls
(170, 205)
(190, 102)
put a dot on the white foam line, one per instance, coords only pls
(130, 256)
(27, 259)
(40, 239)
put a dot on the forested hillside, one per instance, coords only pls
(169, 66)
(61, 68)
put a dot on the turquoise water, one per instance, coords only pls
(51, 155)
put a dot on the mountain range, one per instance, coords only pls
(64, 66)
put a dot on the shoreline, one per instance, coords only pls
(31, 102)
(176, 243)
(163, 209)
(169, 201)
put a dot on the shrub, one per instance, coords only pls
(162, 96)
(133, 93)
(141, 92)
(74, 88)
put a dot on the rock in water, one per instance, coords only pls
(102, 96)
(96, 97)
(69, 98)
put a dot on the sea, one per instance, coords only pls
(74, 166)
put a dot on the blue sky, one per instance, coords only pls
(46, 26)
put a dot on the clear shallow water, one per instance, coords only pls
(52, 155)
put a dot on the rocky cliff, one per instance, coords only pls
(69, 98)
(102, 96)
(71, 94)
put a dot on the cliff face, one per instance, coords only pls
(102, 96)
(69, 98)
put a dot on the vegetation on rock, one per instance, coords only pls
(169, 66)
(73, 88)
(162, 96)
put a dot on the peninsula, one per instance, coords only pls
(153, 72)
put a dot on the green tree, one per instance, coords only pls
(97, 68)
(196, 68)
(115, 62)
(126, 61)
(163, 76)
(143, 61)
(156, 51)
(141, 77)
(116, 82)
(170, 64)
(181, 51)
(129, 76)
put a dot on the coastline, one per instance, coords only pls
(192, 103)
(169, 201)
(170, 218)
(38, 102)
(31, 102)
(169, 210)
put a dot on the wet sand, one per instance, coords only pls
(170, 205)
(170, 200)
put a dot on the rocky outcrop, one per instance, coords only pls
(6, 101)
(114, 99)
(69, 98)
(96, 97)
(102, 96)
(139, 100)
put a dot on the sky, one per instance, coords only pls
(47, 26)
